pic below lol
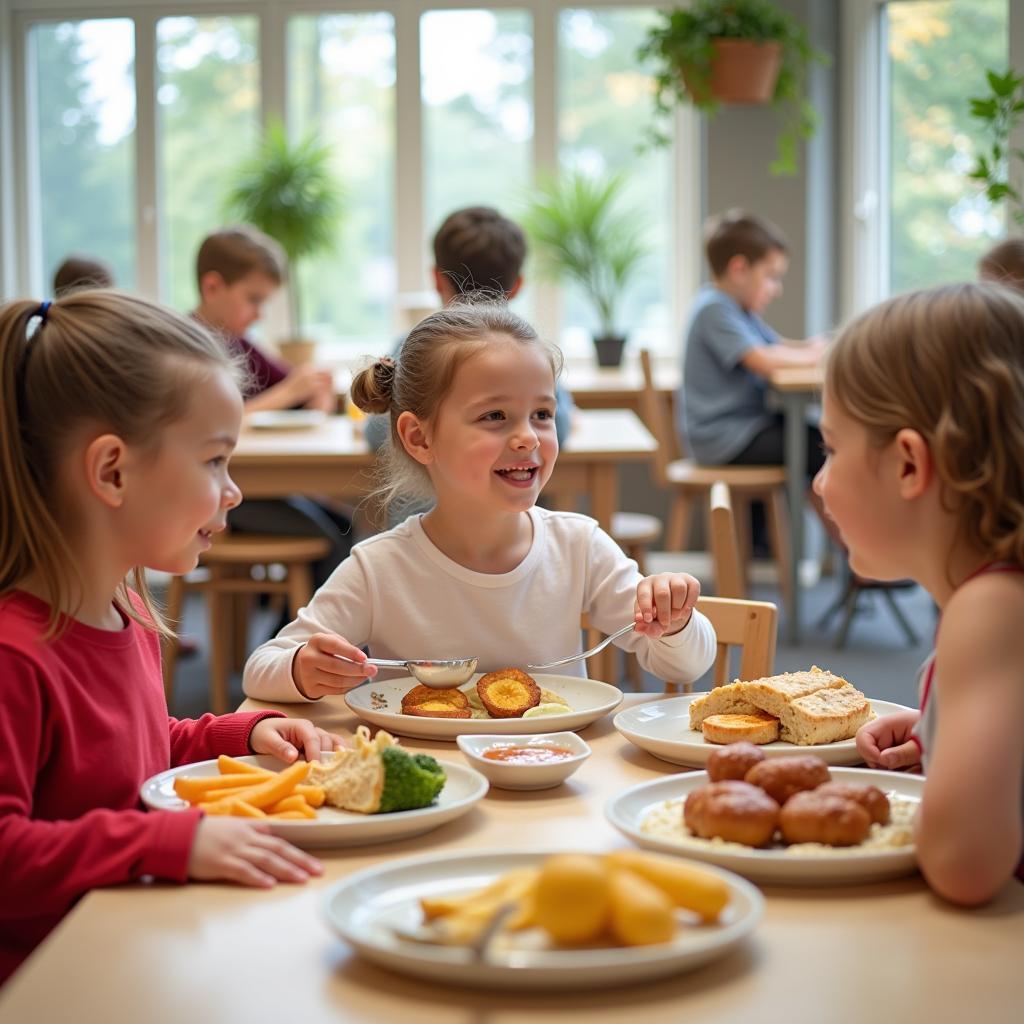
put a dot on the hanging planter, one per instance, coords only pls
(733, 51)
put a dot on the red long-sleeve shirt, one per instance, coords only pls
(83, 723)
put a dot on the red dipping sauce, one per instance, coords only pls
(527, 755)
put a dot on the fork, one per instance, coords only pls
(586, 654)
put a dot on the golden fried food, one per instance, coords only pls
(781, 777)
(813, 817)
(735, 811)
(756, 727)
(733, 761)
(427, 702)
(508, 693)
(871, 798)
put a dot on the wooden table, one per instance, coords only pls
(619, 387)
(797, 387)
(332, 459)
(163, 954)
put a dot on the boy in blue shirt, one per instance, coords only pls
(730, 351)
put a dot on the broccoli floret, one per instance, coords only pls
(410, 781)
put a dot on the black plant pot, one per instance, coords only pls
(609, 350)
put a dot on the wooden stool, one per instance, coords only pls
(230, 562)
(635, 532)
(691, 485)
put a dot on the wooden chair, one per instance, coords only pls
(690, 484)
(230, 583)
(725, 551)
(749, 625)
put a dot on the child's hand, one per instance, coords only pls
(317, 672)
(235, 850)
(664, 603)
(308, 386)
(886, 742)
(285, 737)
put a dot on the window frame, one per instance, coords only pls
(20, 268)
(864, 147)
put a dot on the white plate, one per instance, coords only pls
(380, 702)
(286, 419)
(841, 866)
(662, 728)
(332, 827)
(365, 907)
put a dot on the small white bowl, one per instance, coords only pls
(509, 775)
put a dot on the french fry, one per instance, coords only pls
(193, 789)
(232, 766)
(277, 787)
(289, 803)
(233, 807)
(314, 795)
(292, 815)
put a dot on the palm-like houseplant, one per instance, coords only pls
(582, 232)
(999, 167)
(744, 51)
(290, 193)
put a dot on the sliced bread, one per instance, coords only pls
(825, 716)
(722, 700)
(756, 728)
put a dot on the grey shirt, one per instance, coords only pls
(721, 405)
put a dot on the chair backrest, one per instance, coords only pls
(658, 417)
(749, 625)
(725, 548)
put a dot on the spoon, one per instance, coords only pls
(585, 654)
(441, 674)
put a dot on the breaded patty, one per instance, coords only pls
(428, 702)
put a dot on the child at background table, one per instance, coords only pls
(117, 419)
(1004, 263)
(237, 270)
(924, 426)
(485, 572)
(78, 271)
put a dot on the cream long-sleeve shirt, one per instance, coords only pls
(401, 597)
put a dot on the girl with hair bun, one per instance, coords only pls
(471, 403)
(923, 421)
(117, 418)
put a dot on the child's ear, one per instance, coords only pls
(737, 265)
(104, 469)
(915, 465)
(414, 438)
(210, 284)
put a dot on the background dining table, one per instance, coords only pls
(221, 954)
(333, 458)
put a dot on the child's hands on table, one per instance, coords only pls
(317, 672)
(243, 851)
(664, 603)
(284, 738)
(886, 743)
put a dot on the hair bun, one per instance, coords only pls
(372, 387)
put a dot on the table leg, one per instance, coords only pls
(604, 493)
(794, 404)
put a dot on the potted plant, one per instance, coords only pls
(734, 51)
(1000, 112)
(290, 193)
(582, 232)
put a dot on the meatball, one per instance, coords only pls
(733, 761)
(732, 810)
(871, 798)
(813, 817)
(781, 777)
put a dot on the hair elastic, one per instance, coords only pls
(44, 308)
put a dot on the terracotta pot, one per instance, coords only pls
(609, 350)
(741, 72)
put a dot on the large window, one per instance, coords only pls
(940, 222)
(426, 108)
(81, 125)
(209, 106)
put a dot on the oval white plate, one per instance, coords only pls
(286, 419)
(332, 827)
(843, 866)
(365, 908)
(380, 702)
(662, 728)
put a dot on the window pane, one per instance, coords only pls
(208, 104)
(605, 110)
(940, 222)
(83, 132)
(477, 80)
(341, 84)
